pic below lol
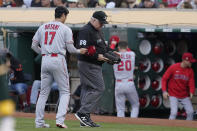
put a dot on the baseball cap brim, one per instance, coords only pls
(104, 22)
(193, 60)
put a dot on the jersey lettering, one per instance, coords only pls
(127, 65)
(46, 37)
(51, 27)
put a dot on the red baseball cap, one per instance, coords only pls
(189, 57)
(114, 38)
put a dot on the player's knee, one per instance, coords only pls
(190, 112)
(21, 88)
(7, 108)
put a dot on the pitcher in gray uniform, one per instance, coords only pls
(52, 39)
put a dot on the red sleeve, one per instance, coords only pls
(128, 49)
(166, 76)
(191, 83)
(112, 46)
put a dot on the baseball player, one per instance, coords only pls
(54, 38)
(178, 84)
(124, 85)
(7, 106)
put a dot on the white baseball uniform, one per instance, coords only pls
(124, 86)
(54, 39)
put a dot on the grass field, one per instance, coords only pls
(27, 124)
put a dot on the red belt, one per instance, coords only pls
(52, 55)
(121, 80)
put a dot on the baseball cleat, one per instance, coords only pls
(82, 125)
(43, 126)
(61, 125)
(84, 119)
(94, 124)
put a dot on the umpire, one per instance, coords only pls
(90, 67)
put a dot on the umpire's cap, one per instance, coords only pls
(101, 16)
(60, 10)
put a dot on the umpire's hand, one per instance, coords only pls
(102, 58)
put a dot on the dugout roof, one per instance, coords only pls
(148, 19)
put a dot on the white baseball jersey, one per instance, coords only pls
(55, 37)
(125, 69)
(124, 86)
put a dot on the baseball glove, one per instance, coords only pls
(113, 58)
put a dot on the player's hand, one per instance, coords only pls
(165, 95)
(83, 50)
(102, 58)
(191, 95)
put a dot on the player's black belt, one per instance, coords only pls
(52, 55)
(118, 80)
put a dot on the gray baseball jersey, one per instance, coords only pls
(124, 86)
(54, 39)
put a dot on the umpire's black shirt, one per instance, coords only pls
(89, 36)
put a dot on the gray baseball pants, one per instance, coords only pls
(92, 86)
(186, 104)
(53, 68)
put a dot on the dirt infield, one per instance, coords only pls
(112, 119)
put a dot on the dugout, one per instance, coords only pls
(158, 37)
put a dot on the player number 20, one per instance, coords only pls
(126, 64)
(46, 37)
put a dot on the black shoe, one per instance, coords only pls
(26, 109)
(93, 124)
(82, 125)
(84, 119)
(32, 108)
(90, 120)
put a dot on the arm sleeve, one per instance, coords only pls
(35, 47)
(191, 83)
(69, 42)
(71, 49)
(83, 41)
(35, 42)
(165, 79)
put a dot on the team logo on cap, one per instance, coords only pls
(187, 58)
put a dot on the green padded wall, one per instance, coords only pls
(20, 45)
